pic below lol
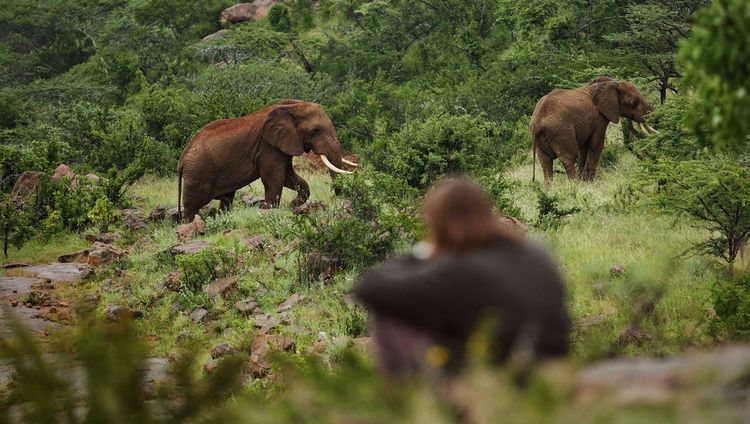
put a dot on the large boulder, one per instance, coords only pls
(192, 229)
(102, 253)
(218, 35)
(222, 287)
(243, 12)
(190, 247)
(262, 347)
(63, 171)
(26, 185)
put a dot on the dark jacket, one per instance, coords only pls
(514, 283)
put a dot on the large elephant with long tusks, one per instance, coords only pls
(228, 154)
(570, 125)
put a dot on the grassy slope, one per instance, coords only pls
(608, 231)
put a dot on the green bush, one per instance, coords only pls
(204, 266)
(378, 216)
(550, 213)
(279, 18)
(715, 192)
(102, 213)
(15, 224)
(497, 188)
(731, 302)
(423, 151)
(673, 141)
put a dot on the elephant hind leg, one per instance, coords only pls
(296, 183)
(545, 161)
(225, 201)
(569, 163)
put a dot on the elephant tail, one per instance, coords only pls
(179, 191)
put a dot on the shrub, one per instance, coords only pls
(15, 224)
(551, 213)
(102, 213)
(715, 192)
(279, 18)
(731, 302)
(673, 140)
(69, 200)
(497, 189)
(204, 266)
(379, 215)
(424, 151)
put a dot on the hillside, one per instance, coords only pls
(129, 314)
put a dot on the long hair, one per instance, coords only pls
(460, 218)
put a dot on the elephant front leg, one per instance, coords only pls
(273, 183)
(296, 183)
(592, 156)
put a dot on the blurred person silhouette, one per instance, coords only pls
(426, 305)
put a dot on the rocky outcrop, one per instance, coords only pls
(26, 185)
(262, 347)
(652, 381)
(190, 247)
(222, 287)
(192, 229)
(102, 253)
(60, 272)
(218, 35)
(63, 170)
(244, 12)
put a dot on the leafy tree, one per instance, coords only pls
(716, 193)
(717, 66)
(652, 33)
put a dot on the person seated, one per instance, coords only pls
(426, 305)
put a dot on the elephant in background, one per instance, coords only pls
(228, 154)
(571, 124)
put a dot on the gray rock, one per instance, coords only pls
(222, 287)
(26, 185)
(247, 306)
(134, 219)
(199, 315)
(10, 286)
(218, 35)
(617, 271)
(158, 213)
(243, 12)
(60, 272)
(265, 322)
(119, 313)
(288, 304)
(252, 201)
(107, 238)
(309, 207)
(190, 247)
(221, 350)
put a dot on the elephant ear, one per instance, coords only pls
(280, 131)
(606, 98)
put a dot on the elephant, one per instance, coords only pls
(571, 124)
(228, 154)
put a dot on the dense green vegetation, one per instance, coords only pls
(418, 89)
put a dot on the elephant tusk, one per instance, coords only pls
(651, 129)
(350, 163)
(643, 129)
(332, 167)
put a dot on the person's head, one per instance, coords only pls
(460, 218)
